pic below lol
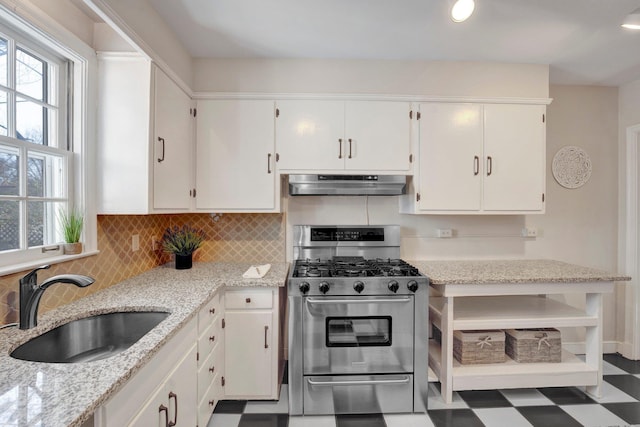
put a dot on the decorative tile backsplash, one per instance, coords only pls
(255, 238)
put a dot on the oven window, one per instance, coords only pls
(366, 331)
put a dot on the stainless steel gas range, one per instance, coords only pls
(358, 318)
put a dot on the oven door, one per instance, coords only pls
(358, 335)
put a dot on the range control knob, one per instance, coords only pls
(393, 286)
(324, 287)
(358, 286)
(412, 285)
(304, 287)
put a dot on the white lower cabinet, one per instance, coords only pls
(167, 380)
(210, 358)
(252, 344)
(173, 403)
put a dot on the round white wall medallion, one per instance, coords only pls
(571, 167)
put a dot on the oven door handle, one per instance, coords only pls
(404, 380)
(357, 301)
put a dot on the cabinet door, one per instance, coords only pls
(378, 136)
(235, 155)
(248, 353)
(514, 141)
(175, 400)
(310, 135)
(450, 157)
(172, 145)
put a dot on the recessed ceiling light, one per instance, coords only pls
(632, 21)
(462, 9)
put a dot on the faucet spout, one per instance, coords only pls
(31, 293)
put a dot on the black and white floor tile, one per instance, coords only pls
(543, 407)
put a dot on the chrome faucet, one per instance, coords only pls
(31, 292)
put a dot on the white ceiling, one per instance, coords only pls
(581, 40)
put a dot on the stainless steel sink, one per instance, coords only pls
(90, 338)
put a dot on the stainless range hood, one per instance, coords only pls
(347, 185)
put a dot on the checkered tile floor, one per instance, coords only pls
(543, 407)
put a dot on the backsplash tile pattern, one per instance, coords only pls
(233, 237)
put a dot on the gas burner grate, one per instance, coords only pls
(353, 267)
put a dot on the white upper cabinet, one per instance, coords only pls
(479, 158)
(173, 145)
(145, 139)
(349, 136)
(235, 166)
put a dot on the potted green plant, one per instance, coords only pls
(182, 242)
(71, 223)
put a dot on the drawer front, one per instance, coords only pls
(210, 339)
(360, 394)
(208, 369)
(206, 406)
(248, 299)
(208, 313)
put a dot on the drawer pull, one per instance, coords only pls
(211, 369)
(212, 402)
(222, 381)
(212, 338)
(248, 300)
(212, 310)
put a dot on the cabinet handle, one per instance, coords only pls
(269, 163)
(173, 396)
(266, 330)
(161, 159)
(489, 165)
(212, 311)
(248, 300)
(476, 165)
(164, 409)
(212, 369)
(212, 338)
(212, 402)
(340, 148)
(222, 381)
(350, 144)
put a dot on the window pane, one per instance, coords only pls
(30, 79)
(42, 224)
(45, 175)
(9, 225)
(3, 62)
(3, 114)
(29, 121)
(9, 171)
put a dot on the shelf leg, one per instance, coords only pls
(446, 375)
(593, 341)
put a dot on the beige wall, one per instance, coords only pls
(371, 77)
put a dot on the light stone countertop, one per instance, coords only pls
(57, 395)
(481, 272)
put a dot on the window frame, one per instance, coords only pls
(26, 21)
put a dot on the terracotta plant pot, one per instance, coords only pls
(184, 262)
(72, 248)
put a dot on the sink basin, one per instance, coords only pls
(90, 338)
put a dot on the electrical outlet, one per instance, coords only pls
(135, 242)
(529, 232)
(445, 233)
(155, 244)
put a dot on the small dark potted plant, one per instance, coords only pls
(71, 223)
(182, 242)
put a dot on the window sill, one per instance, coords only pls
(16, 268)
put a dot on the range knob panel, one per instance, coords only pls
(412, 285)
(393, 286)
(358, 286)
(324, 287)
(304, 287)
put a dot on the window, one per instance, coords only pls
(35, 148)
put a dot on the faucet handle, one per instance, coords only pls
(32, 276)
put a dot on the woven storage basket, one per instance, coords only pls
(476, 347)
(534, 345)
